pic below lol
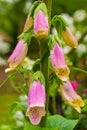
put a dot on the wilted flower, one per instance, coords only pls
(69, 38)
(17, 56)
(41, 25)
(36, 102)
(60, 67)
(71, 97)
(74, 84)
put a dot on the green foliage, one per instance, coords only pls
(42, 7)
(29, 126)
(34, 5)
(59, 23)
(27, 35)
(22, 105)
(78, 69)
(55, 122)
(61, 122)
(12, 17)
(70, 6)
(38, 76)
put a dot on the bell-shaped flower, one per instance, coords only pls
(69, 38)
(36, 102)
(71, 97)
(17, 56)
(59, 64)
(41, 25)
(74, 84)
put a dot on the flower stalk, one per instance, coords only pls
(44, 62)
(44, 70)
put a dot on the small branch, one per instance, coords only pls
(82, 37)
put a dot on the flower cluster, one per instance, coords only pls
(62, 71)
(39, 26)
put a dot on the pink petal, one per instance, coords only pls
(41, 23)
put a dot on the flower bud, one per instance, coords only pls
(71, 97)
(28, 23)
(36, 102)
(41, 25)
(60, 67)
(17, 56)
(69, 38)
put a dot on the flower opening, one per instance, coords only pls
(36, 102)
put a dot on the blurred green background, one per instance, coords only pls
(13, 14)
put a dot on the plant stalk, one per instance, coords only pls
(44, 62)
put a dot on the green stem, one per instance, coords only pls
(44, 62)
(44, 70)
(54, 104)
(49, 5)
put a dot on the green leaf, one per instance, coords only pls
(41, 7)
(34, 5)
(25, 89)
(27, 35)
(78, 69)
(53, 85)
(38, 76)
(55, 122)
(59, 23)
(29, 126)
(61, 122)
(21, 105)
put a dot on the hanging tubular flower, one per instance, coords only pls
(17, 56)
(69, 38)
(36, 102)
(74, 84)
(41, 25)
(60, 67)
(71, 97)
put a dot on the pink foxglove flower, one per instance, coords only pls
(17, 56)
(71, 97)
(74, 84)
(60, 67)
(36, 102)
(41, 25)
(69, 38)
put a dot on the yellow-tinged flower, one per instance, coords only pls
(28, 23)
(58, 62)
(17, 56)
(69, 38)
(41, 26)
(71, 97)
